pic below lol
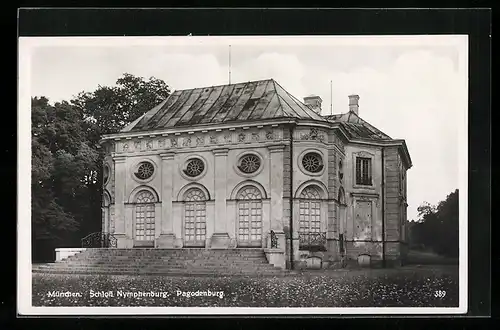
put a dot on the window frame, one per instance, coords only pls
(135, 167)
(323, 158)
(243, 154)
(315, 221)
(193, 205)
(183, 163)
(250, 218)
(363, 184)
(145, 208)
(364, 171)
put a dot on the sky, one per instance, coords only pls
(412, 88)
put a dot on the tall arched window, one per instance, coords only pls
(249, 217)
(195, 218)
(310, 218)
(145, 216)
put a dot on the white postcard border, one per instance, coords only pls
(24, 283)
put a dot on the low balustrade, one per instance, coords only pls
(99, 240)
(274, 240)
(312, 241)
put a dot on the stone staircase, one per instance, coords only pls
(182, 262)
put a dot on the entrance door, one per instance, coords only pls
(195, 218)
(249, 217)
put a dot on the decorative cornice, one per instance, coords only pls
(263, 125)
(204, 129)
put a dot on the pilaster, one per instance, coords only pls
(120, 188)
(220, 237)
(167, 236)
(276, 191)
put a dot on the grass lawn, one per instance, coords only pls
(429, 258)
(403, 287)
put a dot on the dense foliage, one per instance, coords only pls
(66, 160)
(437, 228)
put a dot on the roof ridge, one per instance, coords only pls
(279, 98)
(219, 85)
(305, 108)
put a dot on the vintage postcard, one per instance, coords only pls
(243, 175)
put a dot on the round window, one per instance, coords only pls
(249, 164)
(194, 167)
(312, 162)
(144, 171)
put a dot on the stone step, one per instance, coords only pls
(135, 269)
(182, 273)
(263, 266)
(180, 251)
(190, 265)
(187, 262)
(107, 257)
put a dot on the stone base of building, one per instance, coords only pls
(123, 242)
(220, 241)
(166, 241)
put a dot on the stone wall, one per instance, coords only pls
(221, 149)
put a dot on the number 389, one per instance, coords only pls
(439, 294)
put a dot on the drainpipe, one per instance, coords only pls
(291, 130)
(383, 209)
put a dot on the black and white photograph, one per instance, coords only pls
(243, 175)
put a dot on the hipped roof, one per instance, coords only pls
(249, 101)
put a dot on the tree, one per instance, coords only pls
(438, 226)
(108, 109)
(55, 131)
(67, 161)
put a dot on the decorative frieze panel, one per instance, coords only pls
(186, 142)
(199, 139)
(313, 134)
(213, 139)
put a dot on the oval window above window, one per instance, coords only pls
(194, 167)
(249, 164)
(312, 162)
(144, 171)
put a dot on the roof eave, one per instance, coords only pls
(204, 127)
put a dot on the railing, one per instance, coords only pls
(312, 241)
(274, 240)
(99, 240)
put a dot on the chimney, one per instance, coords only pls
(353, 103)
(314, 103)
